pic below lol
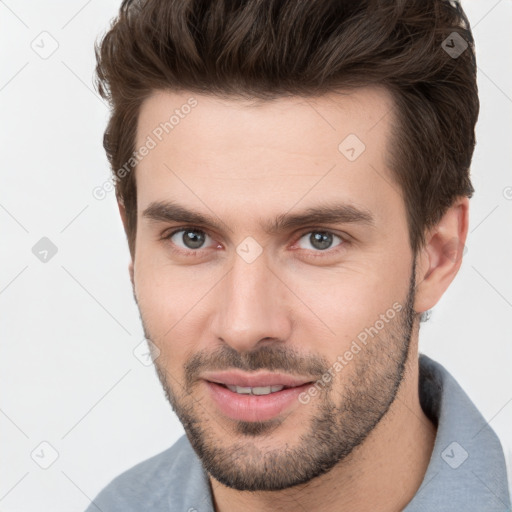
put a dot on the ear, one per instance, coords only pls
(441, 257)
(122, 212)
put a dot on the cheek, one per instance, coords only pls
(343, 303)
(164, 292)
(171, 305)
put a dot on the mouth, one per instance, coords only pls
(257, 390)
(255, 398)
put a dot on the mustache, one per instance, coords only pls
(268, 357)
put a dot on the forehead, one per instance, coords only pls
(237, 154)
(310, 122)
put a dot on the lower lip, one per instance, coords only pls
(254, 407)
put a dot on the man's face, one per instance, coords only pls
(235, 303)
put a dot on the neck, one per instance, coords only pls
(383, 473)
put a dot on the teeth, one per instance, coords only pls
(256, 390)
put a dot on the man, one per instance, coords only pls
(295, 199)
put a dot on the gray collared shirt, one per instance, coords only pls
(466, 471)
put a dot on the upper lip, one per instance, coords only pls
(245, 380)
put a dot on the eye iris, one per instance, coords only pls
(321, 240)
(192, 239)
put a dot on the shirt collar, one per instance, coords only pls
(467, 468)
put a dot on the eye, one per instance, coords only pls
(320, 240)
(187, 239)
(191, 240)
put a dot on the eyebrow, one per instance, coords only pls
(331, 213)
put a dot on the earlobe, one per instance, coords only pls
(441, 257)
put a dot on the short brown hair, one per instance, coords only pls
(267, 49)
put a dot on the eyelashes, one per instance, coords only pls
(322, 237)
(322, 234)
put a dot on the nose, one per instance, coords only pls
(252, 306)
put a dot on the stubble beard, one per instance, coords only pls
(239, 455)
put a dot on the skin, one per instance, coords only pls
(295, 306)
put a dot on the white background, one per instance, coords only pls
(69, 326)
